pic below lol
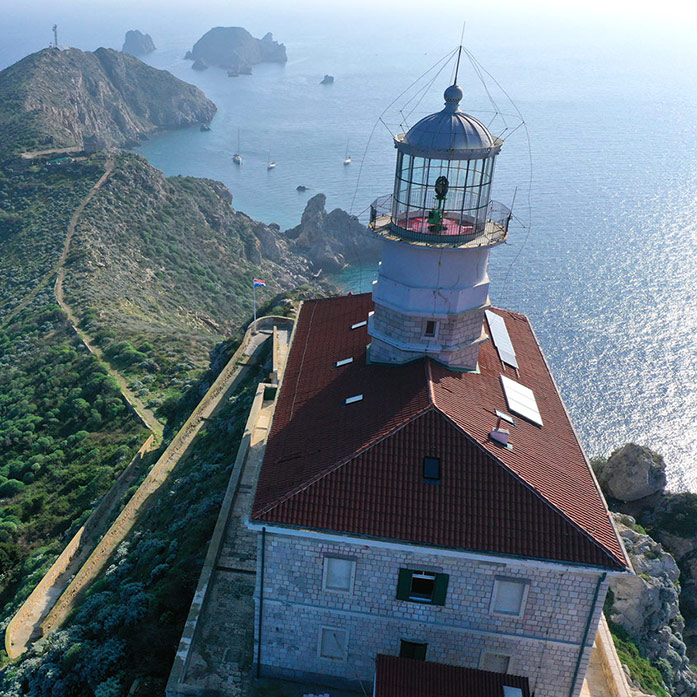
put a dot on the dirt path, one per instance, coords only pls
(58, 267)
(146, 415)
(234, 372)
(30, 155)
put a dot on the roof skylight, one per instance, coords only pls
(355, 398)
(345, 361)
(359, 324)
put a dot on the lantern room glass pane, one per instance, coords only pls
(460, 207)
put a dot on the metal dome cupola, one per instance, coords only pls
(445, 165)
(449, 133)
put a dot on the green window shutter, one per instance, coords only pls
(440, 589)
(404, 584)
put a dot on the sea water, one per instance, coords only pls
(602, 174)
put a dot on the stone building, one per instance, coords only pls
(423, 495)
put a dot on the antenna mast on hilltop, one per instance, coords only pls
(55, 36)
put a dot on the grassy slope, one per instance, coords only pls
(35, 208)
(64, 430)
(159, 274)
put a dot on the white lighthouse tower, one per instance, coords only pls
(437, 229)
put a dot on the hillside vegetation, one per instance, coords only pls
(161, 270)
(127, 629)
(64, 98)
(158, 273)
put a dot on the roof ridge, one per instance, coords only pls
(530, 487)
(322, 475)
(429, 380)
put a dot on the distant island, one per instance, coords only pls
(72, 98)
(235, 49)
(137, 43)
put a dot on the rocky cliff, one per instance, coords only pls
(137, 44)
(657, 607)
(236, 49)
(73, 98)
(647, 607)
(332, 240)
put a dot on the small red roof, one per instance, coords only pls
(357, 468)
(408, 677)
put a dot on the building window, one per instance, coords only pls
(495, 662)
(422, 586)
(339, 573)
(432, 469)
(411, 649)
(430, 328)
(333, 643)
(509, 597)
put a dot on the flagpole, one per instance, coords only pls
(254, 295)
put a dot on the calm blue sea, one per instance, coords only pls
(602, 256)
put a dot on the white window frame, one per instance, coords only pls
(320, 634)
(489, 652)
(523, 602)
(325, 574)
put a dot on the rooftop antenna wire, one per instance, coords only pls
(459, 52)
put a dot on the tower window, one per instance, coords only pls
(430, 329)
(432, 469)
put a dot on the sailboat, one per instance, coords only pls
(269, 164)
(237, 158)
(347, 159)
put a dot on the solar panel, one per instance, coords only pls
(502, 340)
(521, 400)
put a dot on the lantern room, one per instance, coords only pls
(445, 165)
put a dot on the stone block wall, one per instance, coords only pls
(456, 342)
(544, 644)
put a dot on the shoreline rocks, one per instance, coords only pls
(332, 240)
(632, 472)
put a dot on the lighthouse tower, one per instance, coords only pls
(437, 229)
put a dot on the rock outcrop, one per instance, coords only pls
(327, 80)
(57, 99)
(647, 606)
(137, 44)
(632, 472)
(332, 240)
(235, 49)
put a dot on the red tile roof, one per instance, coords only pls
(407, 677)
(357, 468)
